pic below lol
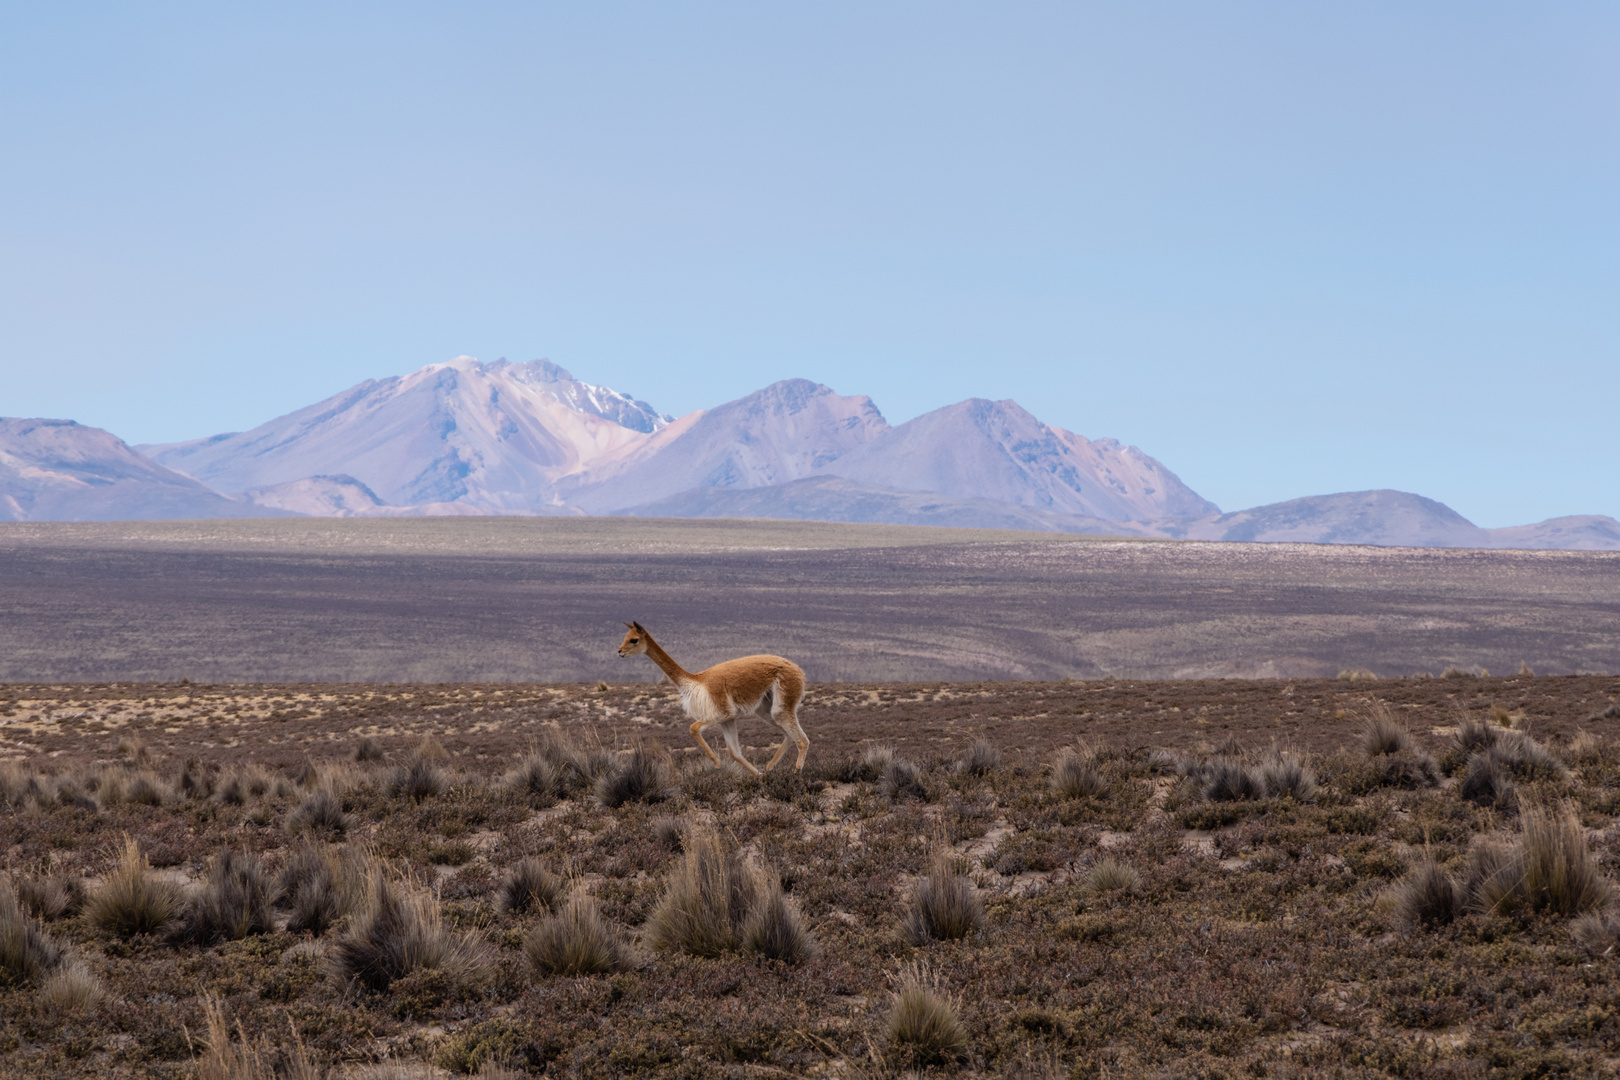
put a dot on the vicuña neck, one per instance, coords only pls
(666, 663)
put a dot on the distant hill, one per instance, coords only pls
(466, 438)
(59, 470)
(833, 498)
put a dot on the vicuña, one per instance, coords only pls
(768, 687)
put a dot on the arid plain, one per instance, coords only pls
(525, 599)
(1010, 853)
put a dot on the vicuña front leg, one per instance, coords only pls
(696, 731)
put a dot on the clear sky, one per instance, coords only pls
(1287, 248)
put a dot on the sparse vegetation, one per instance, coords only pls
(1344, 904)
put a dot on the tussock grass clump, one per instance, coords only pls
(1382, 734)
(1226, 780)
(70, 988)
(1112, 875)
(944, 906)
(577, 768)
(237, 901)
(399, 932)
(669, 831)
(1429, 896)
(1075, 774)
(775, 929)
(529, 885)
(641, 777)
(27, 953)
(131, 900)
(321, 812)
(320, 885)
(1526, 758)
(245, 784)
(369, 749)
(902, 779)
(981, 758)
(577, 941)
(1284, 775)
(536, 779)
(1598, 932)
(1488, 782)
(1359, 674)
(922, 1025)
(144, 789)
(707, 900)
(223, 1058)
(1550, 871)
(52, 898)
(419, 779)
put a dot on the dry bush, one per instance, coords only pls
(641, 777)
(577, 941)
(52, 898)
(1429, 896)
(1598, 932)
(534, 779)
(1526, 758)
(1284, 775)
(944, 906)
(145, 789)
(577, 768)
(399, 932)
(237, 901)
(706, 901)
(1488, 782)
(528, 885)
(669, 831)
(418, 779)
(321, 813)
(1359, 674)
(1225, 780)
(1112, 875)
(1452, 671)
(1076, 776)
(922, 1025)
(368, 750)
(245, 784)
(981, 758)
(131, 900)
(1382, 734)
(27, 953)
(1588, 750)
(1550, 871)
(902, 779)
(320, 885)
(223, 1058)
(775, 928)
(70, 988)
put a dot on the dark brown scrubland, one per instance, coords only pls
(1403, 877)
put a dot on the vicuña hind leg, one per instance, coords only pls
(790, 724)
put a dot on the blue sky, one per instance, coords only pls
(1286, 248)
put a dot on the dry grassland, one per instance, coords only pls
(1111, 878)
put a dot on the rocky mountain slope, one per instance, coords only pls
(59, 470)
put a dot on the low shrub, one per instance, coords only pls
(577, 941)
(534, 779)
(902, 779)
(1226, 780)
(774, 928)
(1488, 782)
(981, 758)
(131, 900)
(400, 932)
(944, 906)
(237, 901)
(320, 885)
(27, 953)
(1549, 871)
(369, 749)
(1598, 932)
(321, 812)
(529, 885)
(640, 777)
(1284, 775)
(922, 1026)
(706, 901)
(52, 898)
(418, 779)
(669, 831)
(1429, 896)
(70, 988)
(1076, 776)
(1382, 734)
(1112, 875)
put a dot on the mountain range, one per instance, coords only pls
(465, 437)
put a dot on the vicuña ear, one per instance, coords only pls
(638, 627)
(631, 627)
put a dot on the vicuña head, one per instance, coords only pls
(768, 687)
(635, 641)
